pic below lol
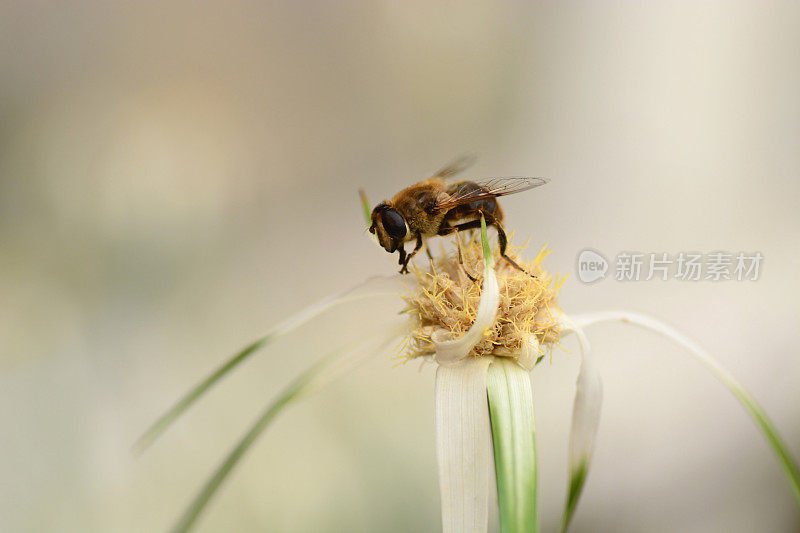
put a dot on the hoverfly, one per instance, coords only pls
(436, 206)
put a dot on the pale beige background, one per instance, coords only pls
(174, 178)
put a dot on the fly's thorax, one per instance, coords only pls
(418, 203)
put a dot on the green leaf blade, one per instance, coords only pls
(488, 257)
(312, 380)
(577, 479)
(291, 393)
(785, 458)
(290, 324)
(365, 207)
(514, 439)
(166, 420)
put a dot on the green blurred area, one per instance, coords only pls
(176, 177)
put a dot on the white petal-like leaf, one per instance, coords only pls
(462, 444)
(585, 421)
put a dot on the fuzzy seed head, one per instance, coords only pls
(445, 300)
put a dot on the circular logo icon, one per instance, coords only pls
(592, 266)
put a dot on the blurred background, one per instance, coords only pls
(176, 177)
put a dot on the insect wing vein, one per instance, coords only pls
(490, 188)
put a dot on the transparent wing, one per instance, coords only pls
(489, 188)
(456, 166)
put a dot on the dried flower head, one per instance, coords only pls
(444, 303)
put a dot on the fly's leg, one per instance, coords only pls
(461, 257)
(501, 238)
(401, 251)
(407, 258)
(454, 229)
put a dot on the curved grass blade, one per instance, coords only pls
(508, 387)
(756, 412)
(313, 379)
(291, 323)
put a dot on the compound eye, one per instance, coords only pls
(394, 224)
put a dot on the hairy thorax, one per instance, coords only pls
(417, 205)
